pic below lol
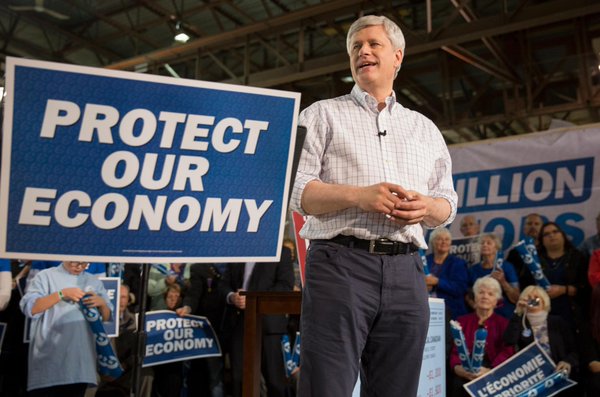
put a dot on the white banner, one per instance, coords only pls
(552, 173)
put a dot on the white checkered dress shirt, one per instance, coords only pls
(343, 147)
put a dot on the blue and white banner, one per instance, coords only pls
(467, 248)
(112, 285)
(131, 167)
(173, 338)
(554, 173)
(458, 337)
(547, 385)
(518, 374)
(291, 357)
(528, 253)
(108, 362)
(478, 349)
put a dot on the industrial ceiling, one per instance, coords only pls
(479, 69)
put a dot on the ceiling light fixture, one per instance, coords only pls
(180, 35)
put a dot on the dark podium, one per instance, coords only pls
(257, 305)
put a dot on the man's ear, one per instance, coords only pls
(398, 54)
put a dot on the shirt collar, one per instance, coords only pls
(367, 101)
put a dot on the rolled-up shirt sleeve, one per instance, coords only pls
(309, 168)
(37, 289)
(441, 184)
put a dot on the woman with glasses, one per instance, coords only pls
(566, 270)
(62, 351)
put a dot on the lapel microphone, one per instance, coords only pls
(382, 133)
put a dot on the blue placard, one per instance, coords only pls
(129, 167)
(173, 338)
(112, 285)
(517, 375)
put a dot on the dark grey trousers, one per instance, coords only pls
(362, 310)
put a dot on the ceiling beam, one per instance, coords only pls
(464, 55)
(241, 32)
(529, 18)
(39, 23)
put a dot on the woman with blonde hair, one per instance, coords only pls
(531, 322)
(503, 271)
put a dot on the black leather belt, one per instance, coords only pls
(381, 246)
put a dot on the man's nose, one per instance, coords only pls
(363, 50)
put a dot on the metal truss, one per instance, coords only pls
(479, 69)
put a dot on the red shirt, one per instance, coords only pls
(495, 350)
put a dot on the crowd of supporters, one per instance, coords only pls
(495, 293)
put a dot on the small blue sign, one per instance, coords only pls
(519, 374)
(173, 338)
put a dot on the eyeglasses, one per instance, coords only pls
(79, 265)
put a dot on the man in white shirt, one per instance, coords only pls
(372, 173)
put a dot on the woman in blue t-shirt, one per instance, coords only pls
(504, 272)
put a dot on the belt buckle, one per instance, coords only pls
(381, 242)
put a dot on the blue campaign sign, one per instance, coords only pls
(112, 285)
(112, 166)
(172, 338)
(523, 373)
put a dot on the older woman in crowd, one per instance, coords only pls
(449, 276)
(487, 292)
(531, 322)
(566, 270)
(62, 351)
(505, 273)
